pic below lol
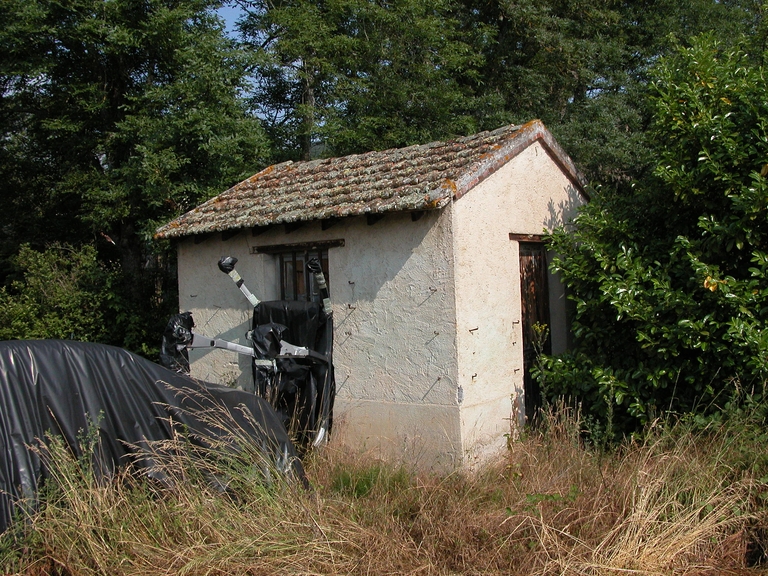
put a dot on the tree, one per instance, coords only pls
(342, 76)
(412, 76)
(582, 67)
(357, 75)
(668, 274)
(116, 116)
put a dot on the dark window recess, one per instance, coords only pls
(296, 283)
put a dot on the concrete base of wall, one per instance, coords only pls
(426, 436)
(486, 428)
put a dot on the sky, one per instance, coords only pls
(230, 15)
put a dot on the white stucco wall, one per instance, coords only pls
(394, 330)
(395, 338)
(218, 308)
(528, 195)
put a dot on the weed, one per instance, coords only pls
(682, 499)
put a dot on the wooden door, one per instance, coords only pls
(534, 290)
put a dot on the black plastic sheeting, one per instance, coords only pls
(302, 390)
(67, 388)
(176, 337)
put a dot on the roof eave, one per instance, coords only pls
(434, 200)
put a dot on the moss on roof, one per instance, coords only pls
(422, 177)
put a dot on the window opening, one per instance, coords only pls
(291, 259)
(295, 282)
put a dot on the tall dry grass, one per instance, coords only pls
(678, 502)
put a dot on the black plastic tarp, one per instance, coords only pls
(303, 388)
(67, 388)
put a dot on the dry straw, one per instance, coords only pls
(679, 502)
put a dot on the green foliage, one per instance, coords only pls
(344, 76)
(64, 294)
(357, 75)
(116, 116)
(668, 274)
(606, 121)
(120, 113)
(742, 421)
(360, 482)
(414, 74)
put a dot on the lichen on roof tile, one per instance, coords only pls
(420, 177)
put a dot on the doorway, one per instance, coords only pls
(534, 291)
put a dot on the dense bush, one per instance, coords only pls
(669, 274)
(64, 293)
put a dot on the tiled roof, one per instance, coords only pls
(424, 177)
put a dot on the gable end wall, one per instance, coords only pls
(528, 195)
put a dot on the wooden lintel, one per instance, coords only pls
(416, 215)
(373, 218)
(526, 237)
(327, 223)
(229, 234)
(293, 226)
(298, 246)
(259, 230)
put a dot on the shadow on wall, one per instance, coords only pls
(564, 212)
(393, 328)
(392, 265)
(379, 254)
(232, 369)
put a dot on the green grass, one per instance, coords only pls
(688, 499)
